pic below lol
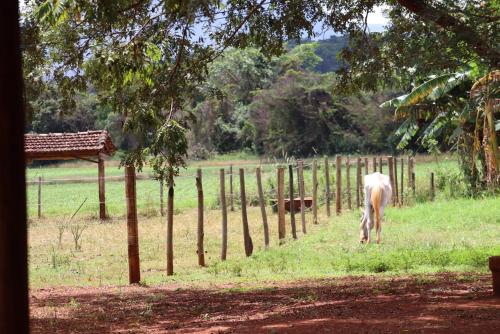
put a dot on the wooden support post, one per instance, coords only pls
(39, 197)
(292, 201)
(315, 191)
(380, 165)
(231, 193)
(348, 182)
(396, 184)
(223, 206)
(102, 196)
(374, 162)
(401, 199)
(170, 226)
(281, 204)
(327, 187)
(262, 202)
(338, 181)
(162, 211)
(358, 183)
(200, 235)
(366, 167)
(390, 165)
(433, 190)
(14, 309)
(244, 218)
(301, 193)
(134, 272)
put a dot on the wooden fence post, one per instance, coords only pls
(224, 213)
(380, 165)
(358, 182)
(102, 193)
(231, 193)
(366, 166)
(162, 211)
(396, 184)
(374, 164)
(301, 193)
(39, 197)
(292, 201)
(433, 190)
(262, 202)
(413, 188)
(200, 234)
(281, 204)
(409, 172)
(401, 199)
(390, 164)
(327, 187)
(348, 182)
(170, 226)
(315, 191)
(246, 232)
(338, 181)
(134, 272)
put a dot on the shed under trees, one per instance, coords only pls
(91, 146)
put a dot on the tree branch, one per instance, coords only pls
(436, 15)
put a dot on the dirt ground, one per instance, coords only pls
(444, 303)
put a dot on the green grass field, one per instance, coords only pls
(61, 200)
(445, 235)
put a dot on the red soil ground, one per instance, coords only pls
(446, 303)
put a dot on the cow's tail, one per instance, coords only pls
(376, 199)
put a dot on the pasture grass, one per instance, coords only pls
(445, 235)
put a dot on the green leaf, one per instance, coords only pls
(153, 52)
(407, 131)
(430, 90)
(433, 89)
(445, 85)
(394, 103)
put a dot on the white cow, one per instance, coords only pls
(378, 193)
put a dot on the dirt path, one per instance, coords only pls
(447, 303)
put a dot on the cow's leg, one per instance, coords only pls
(379, 225)
(368, 213)
(362, 231)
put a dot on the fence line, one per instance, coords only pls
(130, 200)
(186, 192)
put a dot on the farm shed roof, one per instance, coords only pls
(59, 146)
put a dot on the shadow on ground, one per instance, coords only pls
(446, 303)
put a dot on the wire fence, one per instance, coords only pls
(52, 197)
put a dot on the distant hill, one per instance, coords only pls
(327, 50)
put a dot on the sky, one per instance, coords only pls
(376, 22)
(377, 17)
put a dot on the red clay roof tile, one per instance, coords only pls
(67, 145)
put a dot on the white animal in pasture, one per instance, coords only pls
(378, 193)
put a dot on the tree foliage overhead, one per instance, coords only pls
(149, 56)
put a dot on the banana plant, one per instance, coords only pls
(485, 92)
(435, 99)
(422, 103)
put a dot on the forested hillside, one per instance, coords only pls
(272, 106)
